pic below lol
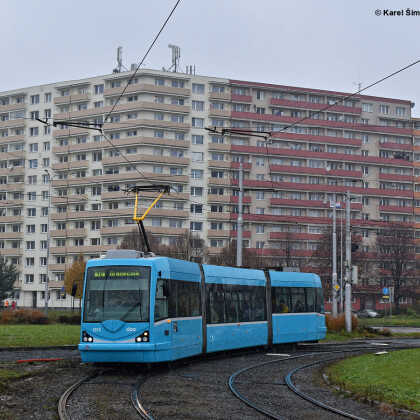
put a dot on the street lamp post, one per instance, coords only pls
(48, 244)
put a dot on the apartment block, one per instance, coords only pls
(65, 180)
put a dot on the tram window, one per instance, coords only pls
(281, 299)
(310, 300)
(319, 301)
(185, 299)
(161, 301)
(235, 305)
(298, 299)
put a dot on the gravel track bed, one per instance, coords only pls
(105, 397)
(257, 385)
(195, 390)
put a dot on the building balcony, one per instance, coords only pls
(241, 98)
(407, 148)
(218, 216)
(10, 236)
(70, 199)
(71, 99)
(246, 199)
(315, 106)
(12, 139)
(169, 160)
(220, 96)
(144, 87)
(396, 209)
(12, 219)
(318, 139)
(70, 132)
(315, 171)
(245, 165)
(339, 157)
(217, 233)
(215, 198)
(15, 186)
(14, 170)
(223, 147)
(395, 177)
(295, 236)
(13, 107)
(219, 113)
(219, 181)
(14, 155)
(11, 252)
(218, 164)
(166, 231)
(79, 164)
(18, 122)
(11, 203)
(246, 234)
(68, 233)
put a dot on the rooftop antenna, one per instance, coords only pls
(176, 55)
(119, 59)
(359, 83)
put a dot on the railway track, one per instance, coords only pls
(109, 390)
(251, 398)
(273, 388)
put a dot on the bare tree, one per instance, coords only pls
(133, 241)
(394, 250)
(322, 256)
(189, 247)
(227, 257)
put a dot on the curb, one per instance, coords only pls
(69, 347)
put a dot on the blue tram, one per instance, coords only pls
(154, 309)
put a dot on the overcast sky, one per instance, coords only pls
(324, 44)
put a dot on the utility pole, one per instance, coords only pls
(334, 274)
(48, 245)
(240, 220)
(341, 261)
(348, 265)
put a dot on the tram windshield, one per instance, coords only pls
(118, 293)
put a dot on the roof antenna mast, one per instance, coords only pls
(119, 60)
(176, 55)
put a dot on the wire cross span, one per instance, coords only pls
(241, 132)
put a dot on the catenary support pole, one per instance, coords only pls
(240, 220)
(334, 274)
(348, 265)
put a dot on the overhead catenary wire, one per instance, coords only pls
(141, 62)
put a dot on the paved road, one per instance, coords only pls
(401, 330)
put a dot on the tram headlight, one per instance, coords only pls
(86, 337)
(144, 337)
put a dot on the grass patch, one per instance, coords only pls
(391, 378)
(39, 335)
(392, 321)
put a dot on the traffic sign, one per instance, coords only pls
(385, 291)
(385, 297)
(337, 287)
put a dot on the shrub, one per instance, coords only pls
(339, 323)
(412, 312)
(63, 319)
(386, 332)
(74, 320)
(21, 316)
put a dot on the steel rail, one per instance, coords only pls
(62, 412)
(270, 414)
(138, 407)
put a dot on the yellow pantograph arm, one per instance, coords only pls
(139, 219)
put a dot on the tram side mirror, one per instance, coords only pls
(74, 289)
